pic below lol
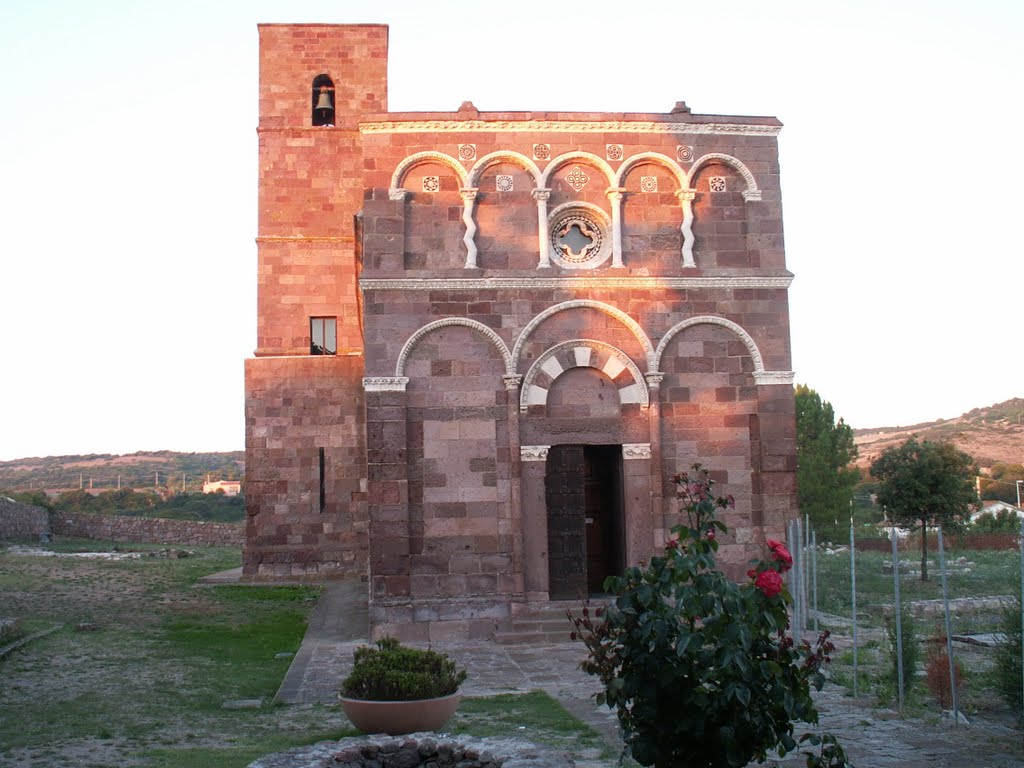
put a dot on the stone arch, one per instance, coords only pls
(600, 306)
(427, 157)
(583, 353)
(751, 192)
(515, 158)
(745, 337)
(581, 157)
(445, 323)
(658, 159)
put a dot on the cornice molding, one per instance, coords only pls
(305, 238)
(574, 281)
(566, 126)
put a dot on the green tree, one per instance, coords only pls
(925, 483)
(1003, 485)
(824, 451)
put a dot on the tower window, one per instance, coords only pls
(323, 336)
(323, 100)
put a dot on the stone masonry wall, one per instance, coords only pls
(144, 530)
(22, 521)
(305, 480)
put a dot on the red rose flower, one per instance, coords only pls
(769, 582)
(751, 574)
(781, 554)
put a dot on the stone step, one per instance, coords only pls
(523, 635)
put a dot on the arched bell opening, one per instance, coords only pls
(323, 100)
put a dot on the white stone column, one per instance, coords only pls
(543, 237)
(616, 195)
(468, 203)
(686, 197)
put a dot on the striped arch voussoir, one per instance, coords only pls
(584, 353)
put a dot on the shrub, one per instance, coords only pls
(911, 650)
(394, 672)
(1008, 660)
(702, 671)
(936, 677)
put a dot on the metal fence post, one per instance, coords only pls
(949, 629)
(798, 569)
(807, 569)
(814, 572)
(898, 616)
(853, 601)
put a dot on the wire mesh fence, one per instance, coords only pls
(913, 622)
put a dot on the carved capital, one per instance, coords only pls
(533, 452)
(468, 193)
(385, 383)
(512, 381)
(636, 451)
(686, 194)
(397, 194)
(654, 379)
(774, 377)
(541, 194)
(615, 194)
(752, 195)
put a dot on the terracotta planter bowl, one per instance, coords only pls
(397, 717)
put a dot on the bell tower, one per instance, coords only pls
(316, 83)
(305, 445)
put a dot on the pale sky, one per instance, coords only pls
(128, 186)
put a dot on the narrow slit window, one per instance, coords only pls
(323, 484)
(323, 336)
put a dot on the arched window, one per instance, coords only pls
(323, 100)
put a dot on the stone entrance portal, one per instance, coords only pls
(583, 493)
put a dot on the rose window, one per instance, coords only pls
(579, 236)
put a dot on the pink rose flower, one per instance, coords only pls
(769, 582)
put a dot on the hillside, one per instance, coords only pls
(105, 471)
(991, 435)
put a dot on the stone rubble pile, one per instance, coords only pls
(416, 751)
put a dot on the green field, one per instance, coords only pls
(144, 662)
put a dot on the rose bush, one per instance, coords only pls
(703, 672)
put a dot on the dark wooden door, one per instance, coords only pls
(564, 492)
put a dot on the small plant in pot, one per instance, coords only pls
(395, 689)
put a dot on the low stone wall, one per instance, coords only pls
(147, 530)
(418, 750)
(22, 522)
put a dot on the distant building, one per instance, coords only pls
(229, 487)
(994, 508)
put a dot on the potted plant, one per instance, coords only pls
(395, 689)
(704, 672)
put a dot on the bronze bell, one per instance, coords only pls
(324, 99)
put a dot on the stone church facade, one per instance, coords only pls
(486, 341)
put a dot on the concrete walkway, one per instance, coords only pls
(873, 738)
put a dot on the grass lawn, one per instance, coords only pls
(140, 671)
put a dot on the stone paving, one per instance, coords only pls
(873, 737)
